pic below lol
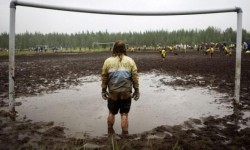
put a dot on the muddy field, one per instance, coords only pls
(44, 73)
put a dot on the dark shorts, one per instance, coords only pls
(122, 105)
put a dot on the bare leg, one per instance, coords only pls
(111, 121)
(124, 123)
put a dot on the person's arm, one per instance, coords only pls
(135, 81)
(135, 76)
(104, 76)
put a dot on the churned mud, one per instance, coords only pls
(186, 102)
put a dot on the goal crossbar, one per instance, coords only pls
(15, 3)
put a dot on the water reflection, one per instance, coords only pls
(82, 110)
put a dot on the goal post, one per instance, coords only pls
(103, 44)
(15, 3)
(238, 57)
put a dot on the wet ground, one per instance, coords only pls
(194, 108)
(164, 104)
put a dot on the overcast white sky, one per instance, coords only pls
(47, 21)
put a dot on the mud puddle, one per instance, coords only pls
(82, 111)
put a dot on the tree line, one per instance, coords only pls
(148, 38)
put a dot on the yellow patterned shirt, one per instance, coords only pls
(119, 75)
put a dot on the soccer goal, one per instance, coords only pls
(15, 3)
(103, 45)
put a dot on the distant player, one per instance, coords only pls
(132, 49)
(163, 54)
(227, 51)
(171, 49)
(210, 51)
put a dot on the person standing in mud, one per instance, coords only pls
(210, 51)
(163, 54)
(119, 76)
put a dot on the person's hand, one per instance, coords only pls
(136, 94)
(104, 95)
